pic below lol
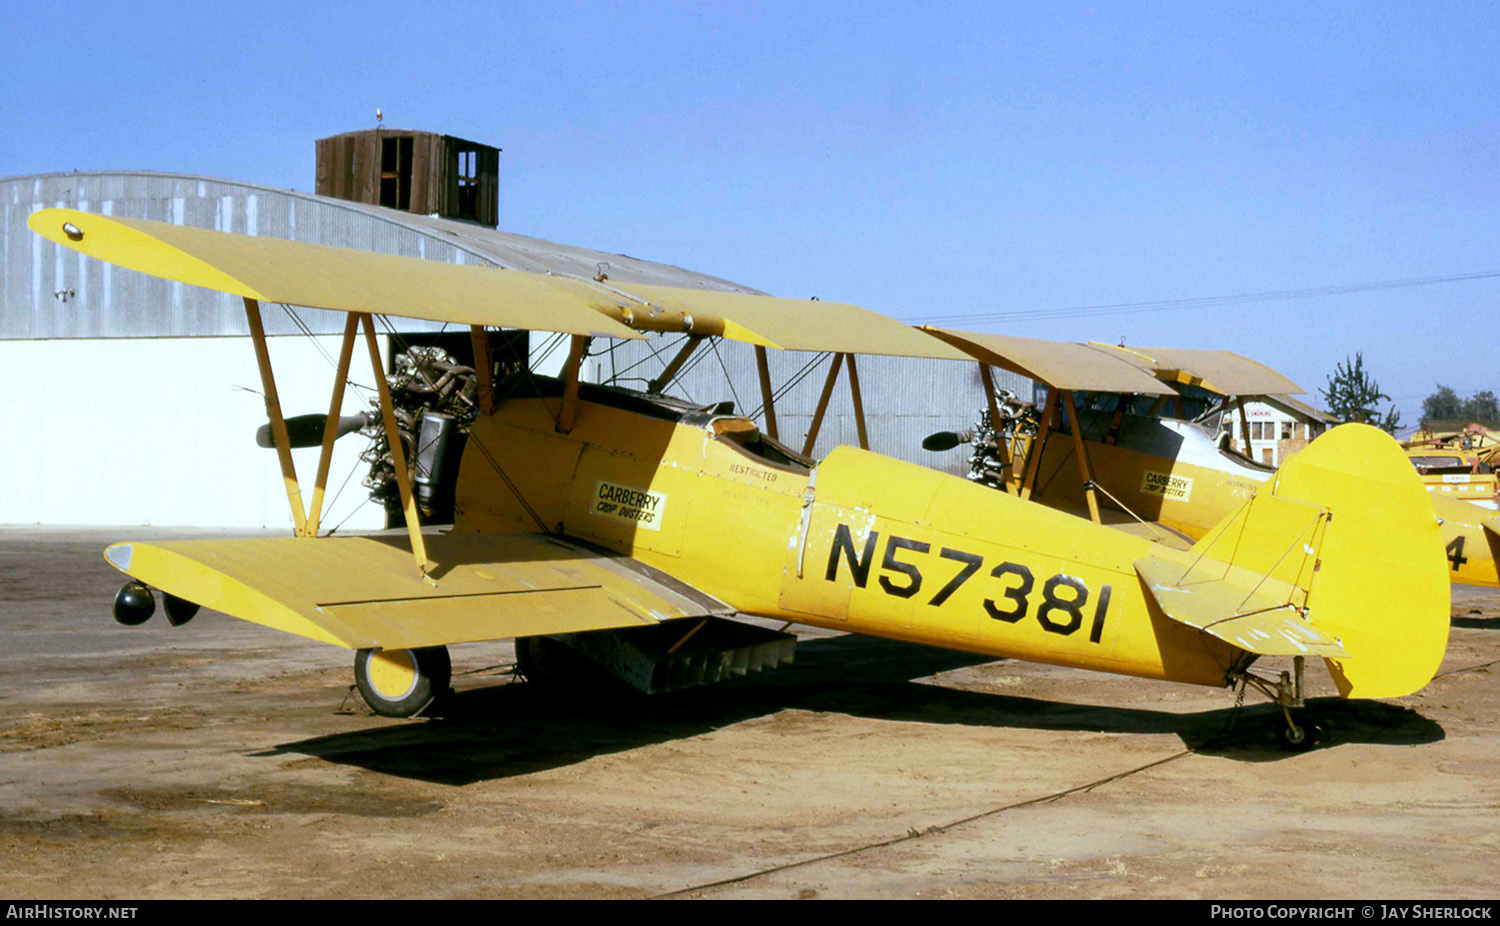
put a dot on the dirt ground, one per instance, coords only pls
(221, 759)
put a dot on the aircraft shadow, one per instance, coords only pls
(508, 730)
(1476, 623)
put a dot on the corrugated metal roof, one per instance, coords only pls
(49, 292)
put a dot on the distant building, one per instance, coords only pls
(1279, 426)
(420, 172)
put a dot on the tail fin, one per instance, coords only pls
(1338, 555)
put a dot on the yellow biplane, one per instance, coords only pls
(1141, 463)
(619, 521)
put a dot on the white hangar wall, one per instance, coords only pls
(132, 431)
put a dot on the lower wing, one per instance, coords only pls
(359, 592)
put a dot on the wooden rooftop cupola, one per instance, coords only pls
(422, 172)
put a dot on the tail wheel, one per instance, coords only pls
(401, 682)
(1298, 733)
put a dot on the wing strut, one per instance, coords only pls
(484, 365)
(1085, 469)
(398, 456)
(1039, 443)
(828, 384)
(1006, 463)
(859, 403)
(576, 353)
(1239, 404)
(306, 524)
(817, 422)
(331, 427)
(273, 411)
(661, 382)
(767, 398)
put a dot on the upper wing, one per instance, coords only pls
(1221, 371)
(361, 592)
(316, 276)
(1095, 367)
(319, 277)
(801, 324)
(1061, 364)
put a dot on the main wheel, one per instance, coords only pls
(401, 682)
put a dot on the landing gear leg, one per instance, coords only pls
(1299, 733)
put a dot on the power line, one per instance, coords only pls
(1165, 305)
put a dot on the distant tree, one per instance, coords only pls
(1352, 395)
(1443, 405)
(1482, 407)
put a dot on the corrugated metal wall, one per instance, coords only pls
(48, 291)
(905, 399)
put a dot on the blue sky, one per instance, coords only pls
(921, 160)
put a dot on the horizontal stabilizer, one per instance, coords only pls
(366, 592)
(1240, 607)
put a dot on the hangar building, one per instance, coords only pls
(135, 400)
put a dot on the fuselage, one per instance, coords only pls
(857, 542)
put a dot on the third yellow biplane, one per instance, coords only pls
(617, 522)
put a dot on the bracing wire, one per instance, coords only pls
(1199, 302)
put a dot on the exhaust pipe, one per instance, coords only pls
(307, 430)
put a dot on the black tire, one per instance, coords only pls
(1307, 737)
(400, 683)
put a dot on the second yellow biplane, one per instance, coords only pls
(608, 515)
(1139, 461)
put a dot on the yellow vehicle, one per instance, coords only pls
(1458, 464)
(611, 521)
(1457, 475)
(1473, 438)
